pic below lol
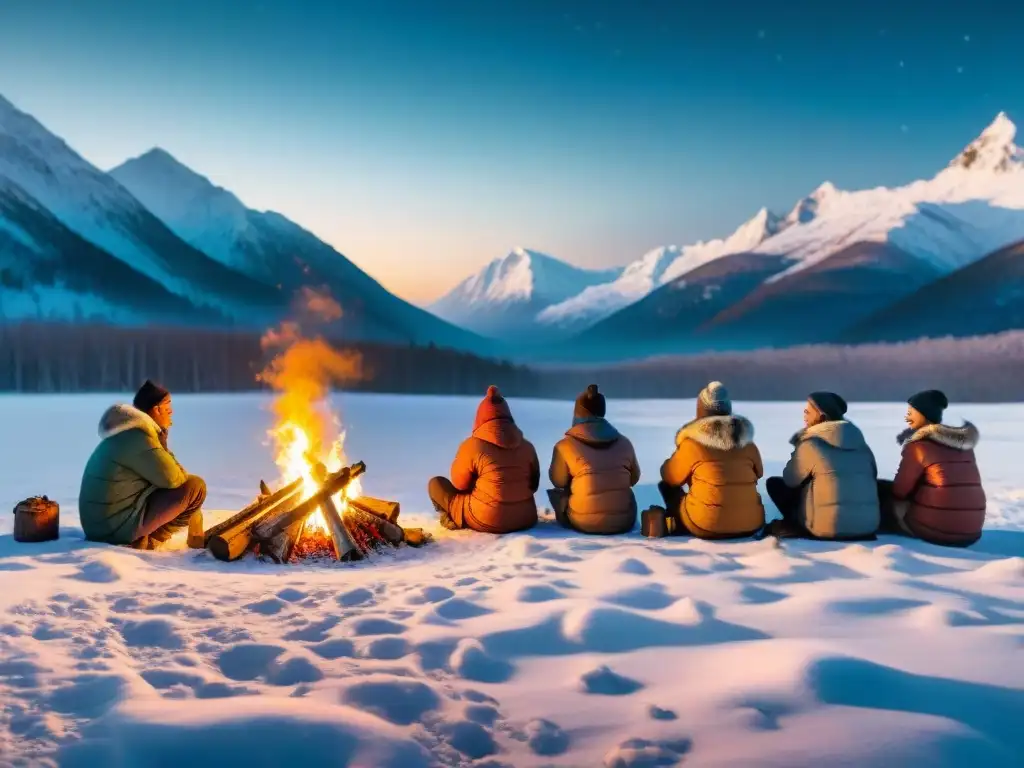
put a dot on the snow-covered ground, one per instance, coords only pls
(533, 649)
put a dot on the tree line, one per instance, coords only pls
(65, 357)
(978, 369)
(54, 357)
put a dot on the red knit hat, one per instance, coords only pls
(493, 406)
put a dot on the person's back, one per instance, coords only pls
(724, 467)
(837, 470)
(125, 468)
(939, 474)
(594, 469)
(494, 475)
(503, 465)
(716, 457)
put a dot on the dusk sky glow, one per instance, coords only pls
(423, 138)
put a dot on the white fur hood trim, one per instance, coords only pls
(962, 438)
(122, 417)
(720, 432)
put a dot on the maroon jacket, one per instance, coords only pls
(939, 475)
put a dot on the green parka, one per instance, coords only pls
(125, 468)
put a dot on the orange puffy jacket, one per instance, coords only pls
(497, 473)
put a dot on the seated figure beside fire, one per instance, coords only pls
(593, 471)
(134, 491)
(494, 476)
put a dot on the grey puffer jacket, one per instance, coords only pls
(836, 471)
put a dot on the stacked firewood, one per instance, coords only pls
(274, 525)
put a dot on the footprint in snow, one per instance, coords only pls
(546, 738)
(152, 633)
(398, 700)
(603, 681)
(644, 753)
(471, 661)
(375, 625)
(538, 593)
(634, 567)
(268, 607)
(430, 594)
(485, 714)
(355, 597)
(387, 648)
(659, 713)
(471, 739)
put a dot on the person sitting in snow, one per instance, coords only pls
(828, 488)
(494, 476)
(716, 458)
(134, 491)
(593, 469)
(937, 494)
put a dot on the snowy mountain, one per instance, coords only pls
(270, 248)
(837, 258)
(982, 298)
(100, 211)
(653, 269)
(506, 298)
(666, 319)
(47, 272)
(868, 249)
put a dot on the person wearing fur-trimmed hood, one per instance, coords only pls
(593, 470)
(134, 491)
(829, 486)
(719, 465)
(937, 493)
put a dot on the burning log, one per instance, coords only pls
(230, 539)
(280, 531)
(388, 531)
(344, 547)
(280, 548)
(273, 524)
(381, 508)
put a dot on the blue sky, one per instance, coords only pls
(423, 138)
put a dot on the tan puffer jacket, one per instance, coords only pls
(716, 457)
(598, 467)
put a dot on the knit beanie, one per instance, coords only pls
(492, 407)
(150, 394)
(930, 404)
(831, 405)
(714, 400)
(589, 403)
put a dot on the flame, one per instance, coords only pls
(295, 453)
(307, 429)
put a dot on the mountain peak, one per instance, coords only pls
(808, 208)
(761, 226)
(158, 166)
(179, 195)
(507, 294)
(993, 150)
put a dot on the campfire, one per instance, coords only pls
(312, 516)
(319, 511)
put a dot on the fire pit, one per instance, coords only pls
(312, 517)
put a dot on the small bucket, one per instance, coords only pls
(36, 519)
